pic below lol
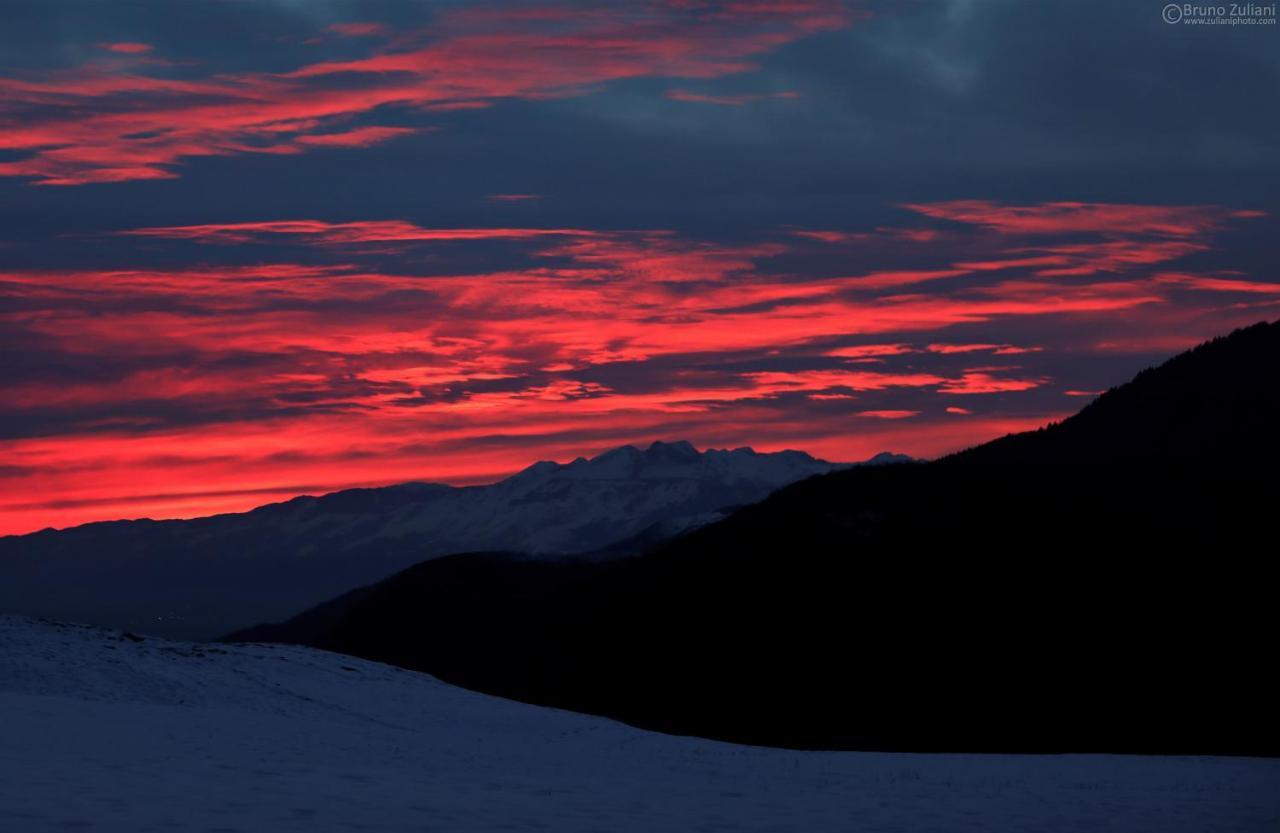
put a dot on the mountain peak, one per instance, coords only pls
(887, 457)
(663, 459)
(678, 450)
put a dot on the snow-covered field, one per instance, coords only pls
(100, 732)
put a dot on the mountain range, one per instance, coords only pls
(1100, 585)
(204, 577)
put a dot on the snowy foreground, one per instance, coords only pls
(101, 732)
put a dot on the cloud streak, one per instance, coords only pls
(362, 231)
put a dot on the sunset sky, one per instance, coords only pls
(256, 249)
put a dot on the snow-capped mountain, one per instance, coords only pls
(105, 731)
(590, 504)
(208, 576)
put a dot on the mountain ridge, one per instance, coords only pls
(430, 486)
(205, 576)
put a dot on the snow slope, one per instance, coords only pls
(105, 733)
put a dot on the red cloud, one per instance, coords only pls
(975, 382)
(888, 414)
(890, 279)
(870, 351)
(127, 48)
(998, 349)
(365, 231)
(359, 138)
(1208, 283)
(359, 30)
(85, 125)
(1068, 217)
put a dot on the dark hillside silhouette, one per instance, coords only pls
(1215, 403)
(1099, 585)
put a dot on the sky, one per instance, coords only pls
(250, 250)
